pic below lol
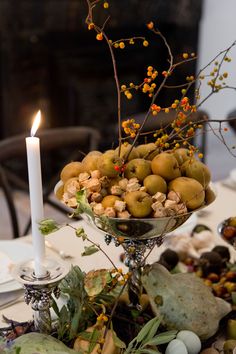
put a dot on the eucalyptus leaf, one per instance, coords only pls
(81, 233)
(161, 338)
(150, 327)
(88, 250)
(153, 329)
(47, 226)
(149, 351)
(94, 339)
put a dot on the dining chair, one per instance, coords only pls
(58, 146)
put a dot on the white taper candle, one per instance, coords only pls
(36, 197)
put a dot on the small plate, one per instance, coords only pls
(18, 252)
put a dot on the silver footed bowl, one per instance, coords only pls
(141, 229)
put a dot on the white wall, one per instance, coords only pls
(217, 32)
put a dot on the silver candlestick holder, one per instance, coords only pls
(39, 291)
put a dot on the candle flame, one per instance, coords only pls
(36, 123)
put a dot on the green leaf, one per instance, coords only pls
(149, 330)
(96, 280)
(47, 226)
(55, 307)
(117, 341)
(88, 250)
(84, 206)
(81, 233)
(162, 338)
(149, 351)
(93, 340)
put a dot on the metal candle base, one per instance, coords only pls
(39, 291)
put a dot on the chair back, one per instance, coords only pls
(58, 147)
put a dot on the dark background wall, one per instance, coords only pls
(49, 60)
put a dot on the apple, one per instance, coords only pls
(72, 169)
(139, 168)
(139, 204)
(166, 166)
(198, 170)
(154, 184)
(147, 151)
(90, 161)
(190, 190)
(108, 162)
(124, 152)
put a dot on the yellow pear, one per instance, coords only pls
(198, 170)
(109, 200)
(154, 184)
(90, 161)
(138, 204)
(182, 155)
(125, 151)
(72, 169)
(139, 168)
(166, 166)
(191, 191)
(108, 164)
(147, 151)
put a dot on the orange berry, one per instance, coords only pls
(105, 5)
(185, 55)
(150, 25)
(145, 43)
(91, 26)
(99, 37)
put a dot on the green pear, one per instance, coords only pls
(109, 201)
(109, 163)
(166, 166)
(198, 170)
(125, 151)
(191, 191)
(154, 184)
(90, 161)
(147, 151)
(182, 155)
(229, 346)
(139, 168)
(138, 204)
(231, 329)
(72, 169)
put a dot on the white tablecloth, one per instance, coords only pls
(223, 207)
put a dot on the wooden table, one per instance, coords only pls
(65, 239)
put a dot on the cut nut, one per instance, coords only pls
(172, 195)
(98, 209)
(116, 190)
(119, 205)
(96, 197)
(159, 197)
(123, 214)
(110, 212)
(95, 174)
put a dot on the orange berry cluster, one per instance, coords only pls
(130, 127)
